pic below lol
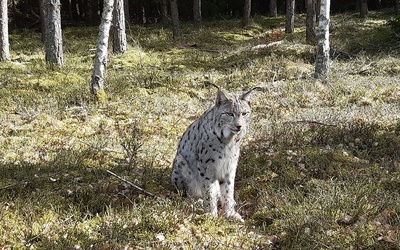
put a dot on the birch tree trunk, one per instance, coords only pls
(119, 33)
(4, 42)
(197, 13)
(310, 22)
(100, 60)
(273, 9)
(322, 59)
(52, 32)
(176, 33)
(246, 12)
(289, 28)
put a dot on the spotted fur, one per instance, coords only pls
(208, 153)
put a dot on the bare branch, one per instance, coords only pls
(312, 122)
(133, 185)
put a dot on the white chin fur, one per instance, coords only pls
(227, 132)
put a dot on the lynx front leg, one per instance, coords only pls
(227, 199)
(210, 194)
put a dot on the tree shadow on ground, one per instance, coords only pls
(299, 152)
(70, 181)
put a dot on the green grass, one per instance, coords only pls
(320, 168)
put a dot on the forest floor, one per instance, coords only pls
(320, 168)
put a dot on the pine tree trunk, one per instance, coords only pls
(176, 33)
(310, 22)
(290, 4)
(100, 60)
(119, 35)
(363, 8)
(273, 9)
(42, 22)
(246, 12)
(396, 6)
(53, 34)
(4, 43)
(197, 13)
(322, 59)
(164, 13)
(126, 12)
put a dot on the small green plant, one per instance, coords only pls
(394, 24)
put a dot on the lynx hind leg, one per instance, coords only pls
(183, 178)
(179, 165)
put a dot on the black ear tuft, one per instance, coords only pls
(212, 84)
(246, 96)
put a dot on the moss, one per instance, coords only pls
(318, 169)
(101, 96)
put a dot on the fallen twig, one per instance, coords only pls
(312, 122)
(262, 46)
(133, 185)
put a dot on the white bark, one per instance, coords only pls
(322, 60)
(119, 35)
(100, 60)
(52, 32)
(4, 43)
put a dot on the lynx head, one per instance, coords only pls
(232, 114)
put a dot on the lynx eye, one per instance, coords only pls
(245, 113)
(229, 114)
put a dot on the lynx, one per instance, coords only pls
(208, 152)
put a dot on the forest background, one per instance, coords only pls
(25, 13)
(320, 168)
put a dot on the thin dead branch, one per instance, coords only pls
(133, 185)
(311, 122)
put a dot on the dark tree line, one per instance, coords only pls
(88, 12)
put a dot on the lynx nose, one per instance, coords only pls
(238, 127)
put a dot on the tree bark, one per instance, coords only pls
(317, 10)
(126, 12)
(290, 4)
(52, 31)
(246, 12)
(197, 13)
(4, 42)
(164, 13)
(363, 8)
(310, 22)
(176, 33)
(100, 60)
(396, 6)
(119, 34)
(273, 9)
(322, 59)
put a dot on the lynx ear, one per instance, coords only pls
(246, 96)
(221, 97)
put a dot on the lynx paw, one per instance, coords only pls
(234, 216)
